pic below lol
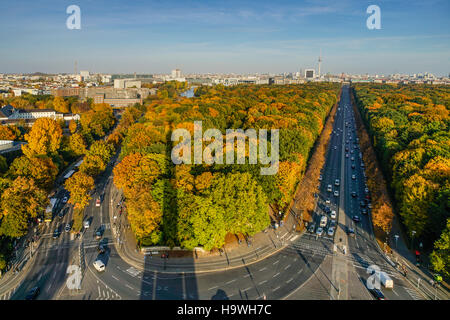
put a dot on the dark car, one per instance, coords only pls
(327, 209)
(354, 194)
(101, 249)
(363, 204)
(56, 233)
(312, 227)
(377, 294)
(364, 211)
(33, 293)
(98, 234)
(353, 166)
(351, 232)
(356, 218)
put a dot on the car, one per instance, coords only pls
(353, 177)
(63, 212)
(56, 233)
(86, 224)
(67, 228)
(336, 182)
(33, 293)
(356, 218)
(366, 190)
(353, 166)
(333, 214)
(377, 294)
(101, 249)
(327, 209)
(346, 148)
(312, 227)
(363, 211)
(346, 155)
(369, 205)
(351, 151)
(351, 232)
(362, 204)
(352, 158)
(323, 221)
(354, 195)
(335, 146)
(320, 178)
(319, 231)
(65, 199)
(329, 188)
(336, 193)
(99, 265)
(97, 203)
(98, 235)
(332, 224)
(327, 201)
(362, 164)
(330, 231)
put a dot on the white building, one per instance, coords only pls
(310, 73)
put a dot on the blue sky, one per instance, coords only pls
(225, 36)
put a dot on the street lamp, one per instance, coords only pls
(413, 233)
(396, 239)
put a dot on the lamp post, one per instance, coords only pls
(412, 237)
(396, 239)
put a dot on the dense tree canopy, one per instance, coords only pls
(197, 205)
(409, 125)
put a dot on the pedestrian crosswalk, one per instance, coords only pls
(413, 293)
(106, 293)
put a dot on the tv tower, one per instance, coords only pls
(320, 60)
(75, 67)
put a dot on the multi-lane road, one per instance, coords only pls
(309, 266)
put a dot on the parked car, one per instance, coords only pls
(351, 232)
(33, 293)
(354, 194)
(98, 235)
(63, 212)
(356, 218)
(97, 203)
(68, 227)
(312, 227)
(65, 199)
(336, 182)
(320, 178)
(101, 248)
(86, 224)
(328, 201)
(363, 211)
(353, 177)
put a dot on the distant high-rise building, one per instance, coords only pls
(310, 73)
(176, 73)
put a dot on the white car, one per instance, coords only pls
(336, 182)
(336, 193)
(319, 231)
(329, 188)
(327, 201)
(366, 190)
(330, 231)
(86, 224)
(99, 265)
(65, 199)
(353, 177)
(333, 214)
(320, 178)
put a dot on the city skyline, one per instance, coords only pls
(241, 37)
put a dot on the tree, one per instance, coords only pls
(3, 165)
(79, 185)
(440, 257)
(7, 133)
(72, 126)
(20, 202)
(41, 169)
(60, 105)
(77, 144)
(43, 139)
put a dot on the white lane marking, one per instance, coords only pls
(130, 287)
(289, 280)
(212, 288)
(276, 275)
(276, 288)
(263, 269)
(287, 267)
(231, 281)
(115, 278)
(276, 262)
(394, 292)
(99, 292)
(263, 282)
(246, 289)
(299, 271)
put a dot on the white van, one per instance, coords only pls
(323, 221)
(99, 265)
